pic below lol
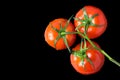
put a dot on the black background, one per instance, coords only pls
(38, 60)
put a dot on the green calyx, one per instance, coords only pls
(62, 33)
(87, 21)
(81, 53)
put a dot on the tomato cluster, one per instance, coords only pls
(89, 23)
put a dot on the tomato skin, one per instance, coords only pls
(50, 34)
(92, 32)
(94, 55)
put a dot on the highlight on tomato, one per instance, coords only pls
(58, 34)
(85, 59)
(91, 20)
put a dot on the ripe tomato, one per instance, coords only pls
(92, 17)
(87, 67)
(51, 34)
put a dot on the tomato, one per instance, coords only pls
(88, 67)
(56, 32)
(93, 18)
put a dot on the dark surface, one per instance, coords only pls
(41, 61)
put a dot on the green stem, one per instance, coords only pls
(65, 33)
(103, 52)
(111, 59)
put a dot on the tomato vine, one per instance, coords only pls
(86, 22)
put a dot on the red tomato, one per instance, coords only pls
(94, 18)
(51, 34)
(96, 57)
